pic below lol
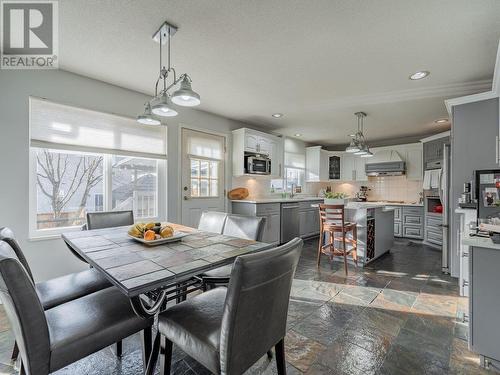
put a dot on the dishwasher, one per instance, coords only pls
(289, 221)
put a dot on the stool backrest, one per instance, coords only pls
(7, 235)
(256, 306)
(212, 221)
(24, 311)
(331, 214)
(109, 219)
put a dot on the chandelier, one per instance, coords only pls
(358, 145)
(161, 105)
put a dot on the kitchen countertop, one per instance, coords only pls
(479, 242)
(306, 199)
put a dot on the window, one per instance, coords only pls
(204, 178)
(78, 173)
(294, 176)
(204, 153)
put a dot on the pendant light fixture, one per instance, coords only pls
(358, 145)
(162, 104)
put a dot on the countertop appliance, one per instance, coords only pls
(257, 163)
(385, 163)
(289, 221)
(362, 194)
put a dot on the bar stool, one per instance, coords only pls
(332, 222)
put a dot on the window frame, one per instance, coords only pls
(39, 234)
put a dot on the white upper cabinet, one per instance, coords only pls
(317, 164)
(248, 140)
(414, 162)
(353, 168)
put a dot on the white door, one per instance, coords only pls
(203, 174)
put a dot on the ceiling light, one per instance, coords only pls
(368, 154)
(419, 75)
(298, 135)
(441, 121)
(183, 96)
(164, 107)
(147, 117)
(277, 115)
(358, 144)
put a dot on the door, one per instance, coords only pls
(203, 174)
(251, 142)
(348, 168)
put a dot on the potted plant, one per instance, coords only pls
(336, 198)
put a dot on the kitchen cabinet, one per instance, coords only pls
(409, 222)
(484, 303)
(335, 166)
(414, 163)
(317, 164)
(248, 140)
(272, 228)
(270, 211)
(353, 168)
(433, 150)
(308, 219)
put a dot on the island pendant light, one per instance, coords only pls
(358, 144)
(162, 104)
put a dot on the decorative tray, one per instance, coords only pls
(176, 237)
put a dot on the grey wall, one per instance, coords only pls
(473, 134)
(50, 258)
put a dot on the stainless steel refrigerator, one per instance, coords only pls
(444, 196)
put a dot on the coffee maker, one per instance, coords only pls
(362, 194)
(466, 200)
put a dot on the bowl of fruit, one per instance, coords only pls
(154, 233)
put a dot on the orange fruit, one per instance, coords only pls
(149, 235)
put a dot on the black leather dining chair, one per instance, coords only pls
(109, 219)
(246, 227)
(212, 221)
(51, 339)
(228, 329)
(61, 289)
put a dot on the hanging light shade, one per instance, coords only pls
(185, 96)
(353, 147)
(147, 117)
(164, 107)
(368, 154)
(363, 151)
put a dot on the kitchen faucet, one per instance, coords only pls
(292, 191)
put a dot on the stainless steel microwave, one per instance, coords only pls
(257, 163)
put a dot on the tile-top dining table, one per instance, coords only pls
(146, 274)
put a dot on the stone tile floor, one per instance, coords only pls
(400, 315)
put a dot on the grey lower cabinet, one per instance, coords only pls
(434, 229)
(409, 222)
(308, 219)
(484, 303)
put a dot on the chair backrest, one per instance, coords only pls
(331, 214)
(212, 221)
(109, 219)
(7, 235)
(25, 312)
(248, 227)
(256, 306)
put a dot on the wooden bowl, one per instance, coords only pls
(238, 194)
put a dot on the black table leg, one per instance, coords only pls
(153, 358)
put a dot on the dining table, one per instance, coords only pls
(151, 276)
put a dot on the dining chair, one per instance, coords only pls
(212, 221)
(61, 289)
(228, 329)
(52, 339)
(109, 219)
(246, 227)
(332, 223)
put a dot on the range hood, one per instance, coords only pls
(385, 163)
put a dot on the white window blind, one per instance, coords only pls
(294, 160)
(59, 126)
(204, 145)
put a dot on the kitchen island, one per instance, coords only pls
(375, 222)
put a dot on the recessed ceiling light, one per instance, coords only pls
(277, 115)
(441, 121)
(419, 75)
(298, 135)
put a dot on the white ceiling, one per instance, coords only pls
(316, 61)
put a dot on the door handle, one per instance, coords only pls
(186, 198)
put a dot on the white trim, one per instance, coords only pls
(436, 136)
(493, 93)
